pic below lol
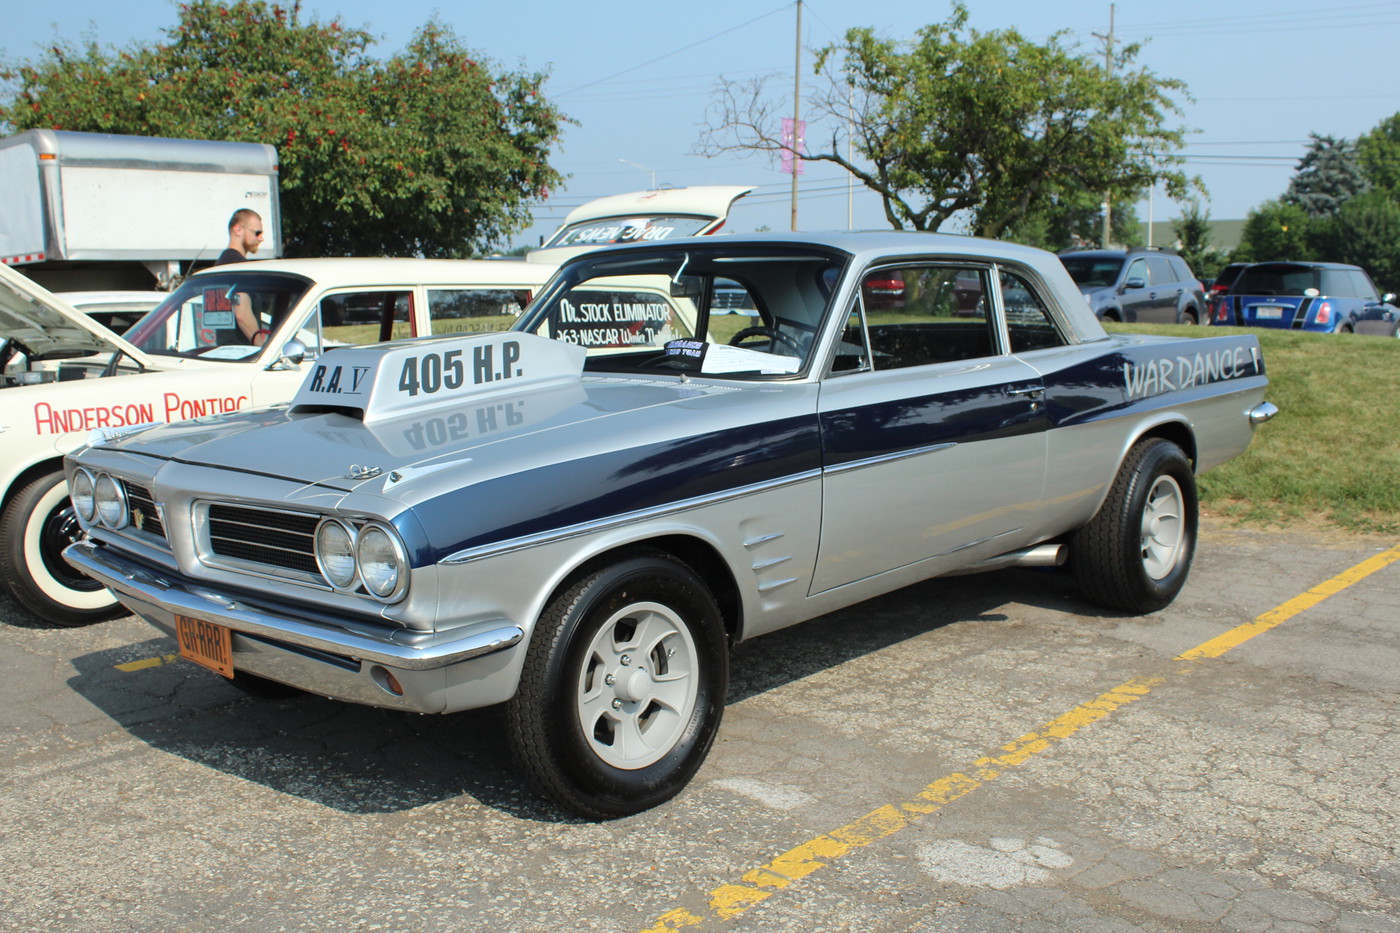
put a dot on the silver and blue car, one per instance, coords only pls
(577, 517)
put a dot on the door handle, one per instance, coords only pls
(1032, 391)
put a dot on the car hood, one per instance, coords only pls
(461, 445)
(50, 327)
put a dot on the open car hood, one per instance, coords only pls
(50, 327)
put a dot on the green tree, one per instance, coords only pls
(1365, 232)
(430, 151)
(1328, 175)
(1274, 230)
(1193, 233)
(1379, 154)
(1075, 218)
(986, 126)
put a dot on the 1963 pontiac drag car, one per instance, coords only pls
(578, 516)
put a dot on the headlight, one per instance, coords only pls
(80, 491)
(382, 562)
(110, 501)
(335, 553)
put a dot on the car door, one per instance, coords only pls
(933, 437)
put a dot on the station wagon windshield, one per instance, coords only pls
(741, 312)
(219, 316)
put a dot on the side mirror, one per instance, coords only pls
(293, 352)
(1134, 283)
(1388, 297)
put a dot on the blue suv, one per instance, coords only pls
(1326, 297)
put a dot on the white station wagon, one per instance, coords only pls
(231, 337)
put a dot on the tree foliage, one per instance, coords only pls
(988, 126)
(1193, 234)
(1364, 232)
(1378, 152)
(1275, 230)
(1328, 175)
(430, 151)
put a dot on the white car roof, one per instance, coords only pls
(365, 272)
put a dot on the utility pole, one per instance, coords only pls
(1108, 65)
(796, 111)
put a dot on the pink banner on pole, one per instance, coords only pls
(791, 145)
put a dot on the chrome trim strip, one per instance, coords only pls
(752, 543)
(770, 587)
(887, 458)
(164, 596)
(628, 518)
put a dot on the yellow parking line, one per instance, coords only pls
(756, 886)
(144, 663)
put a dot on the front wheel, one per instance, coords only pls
(37, 525)
(623, 688)
(1136, 552)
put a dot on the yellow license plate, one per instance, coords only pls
(205, 643)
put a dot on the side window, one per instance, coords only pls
(852, 355)
(473, 310)
(1364, 287)
(1137, 270)
(917, 315)
(366, 317)
(1028, 320)
(1161, 269)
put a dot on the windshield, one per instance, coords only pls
(741, 311)
(219, 316)
(1277, 279)
(630, 229)
(1092, 271)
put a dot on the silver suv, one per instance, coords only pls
(1141, 284)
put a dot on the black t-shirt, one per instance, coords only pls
(230, 255)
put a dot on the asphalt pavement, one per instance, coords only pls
(980, 753)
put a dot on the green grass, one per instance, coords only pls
(1333, 452)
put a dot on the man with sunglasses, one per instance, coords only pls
(245, 234)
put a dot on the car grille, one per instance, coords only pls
(272, 540)
(145, 517)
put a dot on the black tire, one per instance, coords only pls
(1135, 554)
(37, 525)
(623, 688)
(1190, 317)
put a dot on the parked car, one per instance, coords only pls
(640, 217)
(1137, 285)
(1329, 297)
(1217, 287)
(577, 517)
(114, 310)
(1381, 320)
(64, 374)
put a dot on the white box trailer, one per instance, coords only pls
(101, 211)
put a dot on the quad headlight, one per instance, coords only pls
(335, 553)
(80, 491)
(109, 500)
(371, 556)
(382, 561)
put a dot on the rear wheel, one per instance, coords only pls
(623, 688)
(38, 523)
(1136, 552)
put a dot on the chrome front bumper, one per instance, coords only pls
(437, 671)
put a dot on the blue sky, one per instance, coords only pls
(637, 76)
